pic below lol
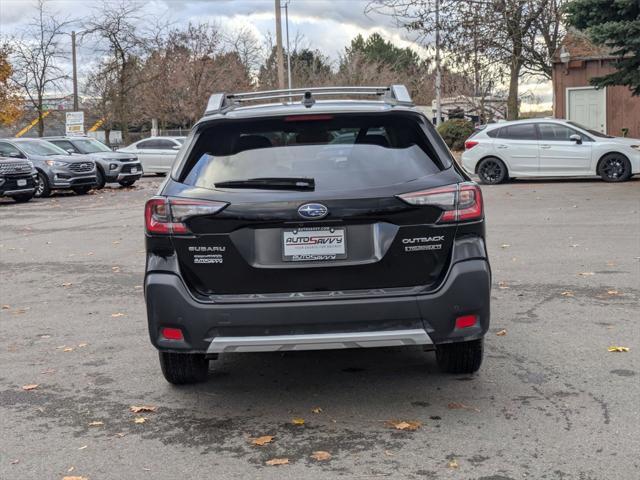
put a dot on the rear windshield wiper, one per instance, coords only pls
(271, 183)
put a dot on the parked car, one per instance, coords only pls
(548, 148)
(56, 169)
(112, 167)
(17, 179)
(155, 153)
(267, 237)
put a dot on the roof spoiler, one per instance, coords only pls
(391, 95)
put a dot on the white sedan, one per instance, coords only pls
(548, 148)
(156, 154)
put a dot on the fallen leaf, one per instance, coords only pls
(501, 333)
(567, 293)
(120, 434)
(15, 461)
(31, 386)
(67, 349)
(298, 421)
(613, 293)
(320, 455)
(82, 345)
(574, 245)
(316, 410)
(142, 408)
(502, 285)
(388, 453)
(404, 425)
(139, 420)
(586, 274)
(83, 447)
(115, 269)
(116, 315)
(453, 464)
(19, 311)
(263, 440)
(6, 307)
(505, 245)
(67, 284)
(613, 348)
(278, 461)
(74, 477)
(460, 406)
(71, 469)
(96, 423)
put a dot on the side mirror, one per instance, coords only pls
(15, 155)
(576, 138)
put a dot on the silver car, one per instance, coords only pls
(113, 167)
(156, 154)
(56, 168)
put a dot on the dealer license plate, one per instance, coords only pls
(314, 244)
(22, 183)
(134, 170)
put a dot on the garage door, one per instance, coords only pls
(587, 106)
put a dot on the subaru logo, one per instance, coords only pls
(313, 211)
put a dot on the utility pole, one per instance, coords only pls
(279, 46)
(438, 72)
(75, 71)
(286, 21)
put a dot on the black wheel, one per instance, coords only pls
(127, 183)
(492, 171)
(460, 357)
(23, 197)
(43, 189)
(82, 190)
(184, 368)
(161, 174)
(100, 180)
(614, 167)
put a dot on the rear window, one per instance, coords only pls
(338, 151)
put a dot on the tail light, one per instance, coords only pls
(460, 202)
(165, 216)
(469, 144)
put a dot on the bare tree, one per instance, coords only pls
(517, 36)
(116, 27)
(248, 48)
(36, 57)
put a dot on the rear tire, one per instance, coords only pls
(23, 197)
(184, 368)
(614, 167)
(43, 189)
(161, 174)
(492, 171)
(460, 357)
(82, 190)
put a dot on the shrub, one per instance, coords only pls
(454, 132)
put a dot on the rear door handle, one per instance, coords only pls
(545, 146)
(502, 146)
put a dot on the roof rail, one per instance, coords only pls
(223, 102)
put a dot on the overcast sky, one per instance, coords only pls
(328, 25)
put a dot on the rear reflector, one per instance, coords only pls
(165, 216)
(469, 144)
(459, 202)
(172, 333)
(466, 321)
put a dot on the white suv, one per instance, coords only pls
(548, 148)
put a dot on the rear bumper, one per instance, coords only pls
(345, 323)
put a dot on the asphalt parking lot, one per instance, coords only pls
(550, 402)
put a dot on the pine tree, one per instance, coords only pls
(616, 25)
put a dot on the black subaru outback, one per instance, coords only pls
(315, 224)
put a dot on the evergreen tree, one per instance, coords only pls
(616, 25)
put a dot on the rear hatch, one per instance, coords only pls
(311, 206)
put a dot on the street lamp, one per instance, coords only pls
(286, 17)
